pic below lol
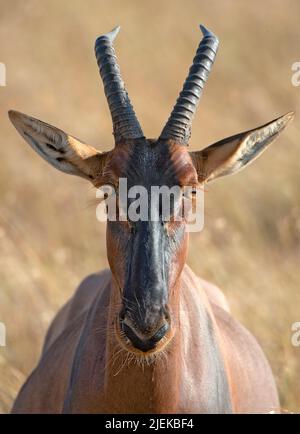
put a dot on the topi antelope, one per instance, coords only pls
(148, 335)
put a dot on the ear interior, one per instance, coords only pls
(230, 155)
(61, 150)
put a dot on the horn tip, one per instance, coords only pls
(206, 32)
(110, 35)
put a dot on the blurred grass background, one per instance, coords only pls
(50, 238)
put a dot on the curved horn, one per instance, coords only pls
(179, 123)
(125, 123)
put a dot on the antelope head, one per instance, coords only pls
(146, 257)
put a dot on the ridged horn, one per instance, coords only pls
(125, 123)
(178, 126)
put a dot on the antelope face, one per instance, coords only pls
(146, 256)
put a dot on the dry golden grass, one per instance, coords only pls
(50, 238)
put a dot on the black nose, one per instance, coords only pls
(146, 343)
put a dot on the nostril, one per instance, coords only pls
(128, 332)
(160, 333)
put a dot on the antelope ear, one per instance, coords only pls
(58, 148)
(231, 155)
